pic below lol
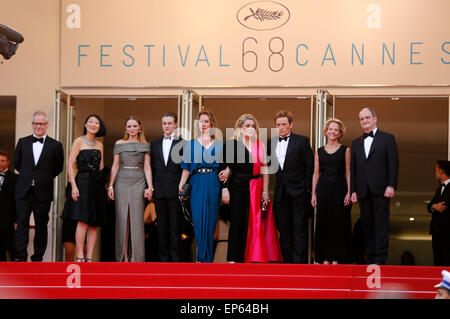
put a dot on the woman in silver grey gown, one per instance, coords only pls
(130, 183)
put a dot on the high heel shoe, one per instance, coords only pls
(89, 260)
(80, 259)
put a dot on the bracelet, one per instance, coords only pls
(265, 193)
(225, 189)
(150, 189)
(110, 187)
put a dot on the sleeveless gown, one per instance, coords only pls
(129, 189)
(333, 219)
(263, 244)
(90, 208)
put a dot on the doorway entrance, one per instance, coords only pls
(419, 123)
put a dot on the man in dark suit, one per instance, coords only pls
(373, 179)
(440, 215)
(166, 177)
(294, 165)
(7, 207)
(38, 159)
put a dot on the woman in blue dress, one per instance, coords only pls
(203, 162)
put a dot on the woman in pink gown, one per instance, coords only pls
(253, 236)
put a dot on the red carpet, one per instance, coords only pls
(214, 281)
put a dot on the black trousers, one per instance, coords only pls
(237, 234)
(24, 207)
(291, 217)
(7, 242)
(168, 211)
(441, 248)
(375, 214)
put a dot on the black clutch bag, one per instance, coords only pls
(186, 191)
(263, 209)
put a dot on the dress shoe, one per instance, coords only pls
(19, 259)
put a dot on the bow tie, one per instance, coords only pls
(368, 134)
(2, 174)
(167, 137)
(40, 139)
(282, 138)
(443, 184)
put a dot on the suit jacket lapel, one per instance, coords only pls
(375, 141)
(289, 149)
(44, 150)
(174, 142)
(159, 145)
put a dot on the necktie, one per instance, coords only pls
(282, 138)
(368, 134)
(36, 139)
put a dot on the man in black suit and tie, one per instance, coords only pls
(7, 207)
(166, 177)
(38, 159)
(373, 178)
(294, 160)
(440, 215)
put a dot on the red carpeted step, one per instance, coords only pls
(212, 281)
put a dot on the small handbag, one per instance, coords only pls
(185, 207)
(263, 209)
(186, 191)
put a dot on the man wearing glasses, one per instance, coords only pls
(38, 159)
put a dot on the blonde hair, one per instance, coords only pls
(338, 122)
(141, 134)
(240, 122)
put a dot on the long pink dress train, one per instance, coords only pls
(263, 244)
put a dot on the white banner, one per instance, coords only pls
(292, 43)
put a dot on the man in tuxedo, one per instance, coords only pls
(38, 159)
(440, 215)
(7, 207)
(373, 180)
(166, 177)
(295, 166)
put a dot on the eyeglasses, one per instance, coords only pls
(39, 124)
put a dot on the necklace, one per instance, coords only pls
(90, 143)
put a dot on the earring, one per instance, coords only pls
(139, 131)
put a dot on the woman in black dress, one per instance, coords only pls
(331, 197)
(87, 204)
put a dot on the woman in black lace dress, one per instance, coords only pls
(331, 197)
(87, 203)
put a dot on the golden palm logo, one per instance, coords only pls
(263, 14)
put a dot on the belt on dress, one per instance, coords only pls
(246, 177)
(132, 167)
(204, 170)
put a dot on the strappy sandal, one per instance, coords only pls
(89, 260)
(80, 259)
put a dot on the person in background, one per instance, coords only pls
(440, 215)
(203, 163)
(443, 288)
(331, 197)
(130, 183)
(38, 159)
(166, 176)
(408, 259)
(87, 203)
(8, 181)
(295, 159)
(373, 179)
